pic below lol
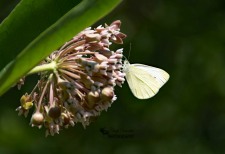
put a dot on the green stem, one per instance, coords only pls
(45, 67)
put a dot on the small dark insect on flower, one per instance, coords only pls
(81, 83)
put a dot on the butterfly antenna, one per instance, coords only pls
(129, 51)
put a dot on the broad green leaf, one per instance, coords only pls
(26, 22)
(78, 18)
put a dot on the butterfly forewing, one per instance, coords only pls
(142, 85)
(160, 75)
(144, 81)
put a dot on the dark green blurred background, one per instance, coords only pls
(187, 116)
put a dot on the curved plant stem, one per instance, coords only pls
(45, 67)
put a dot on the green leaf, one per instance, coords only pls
(26, 22)
(78, 18)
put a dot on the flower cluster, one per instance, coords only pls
(80, 83)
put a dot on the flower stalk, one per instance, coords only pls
(45, 67)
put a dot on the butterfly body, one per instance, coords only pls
(143, 80)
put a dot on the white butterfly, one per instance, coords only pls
(144, 81)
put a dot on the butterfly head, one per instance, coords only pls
(125, 65)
